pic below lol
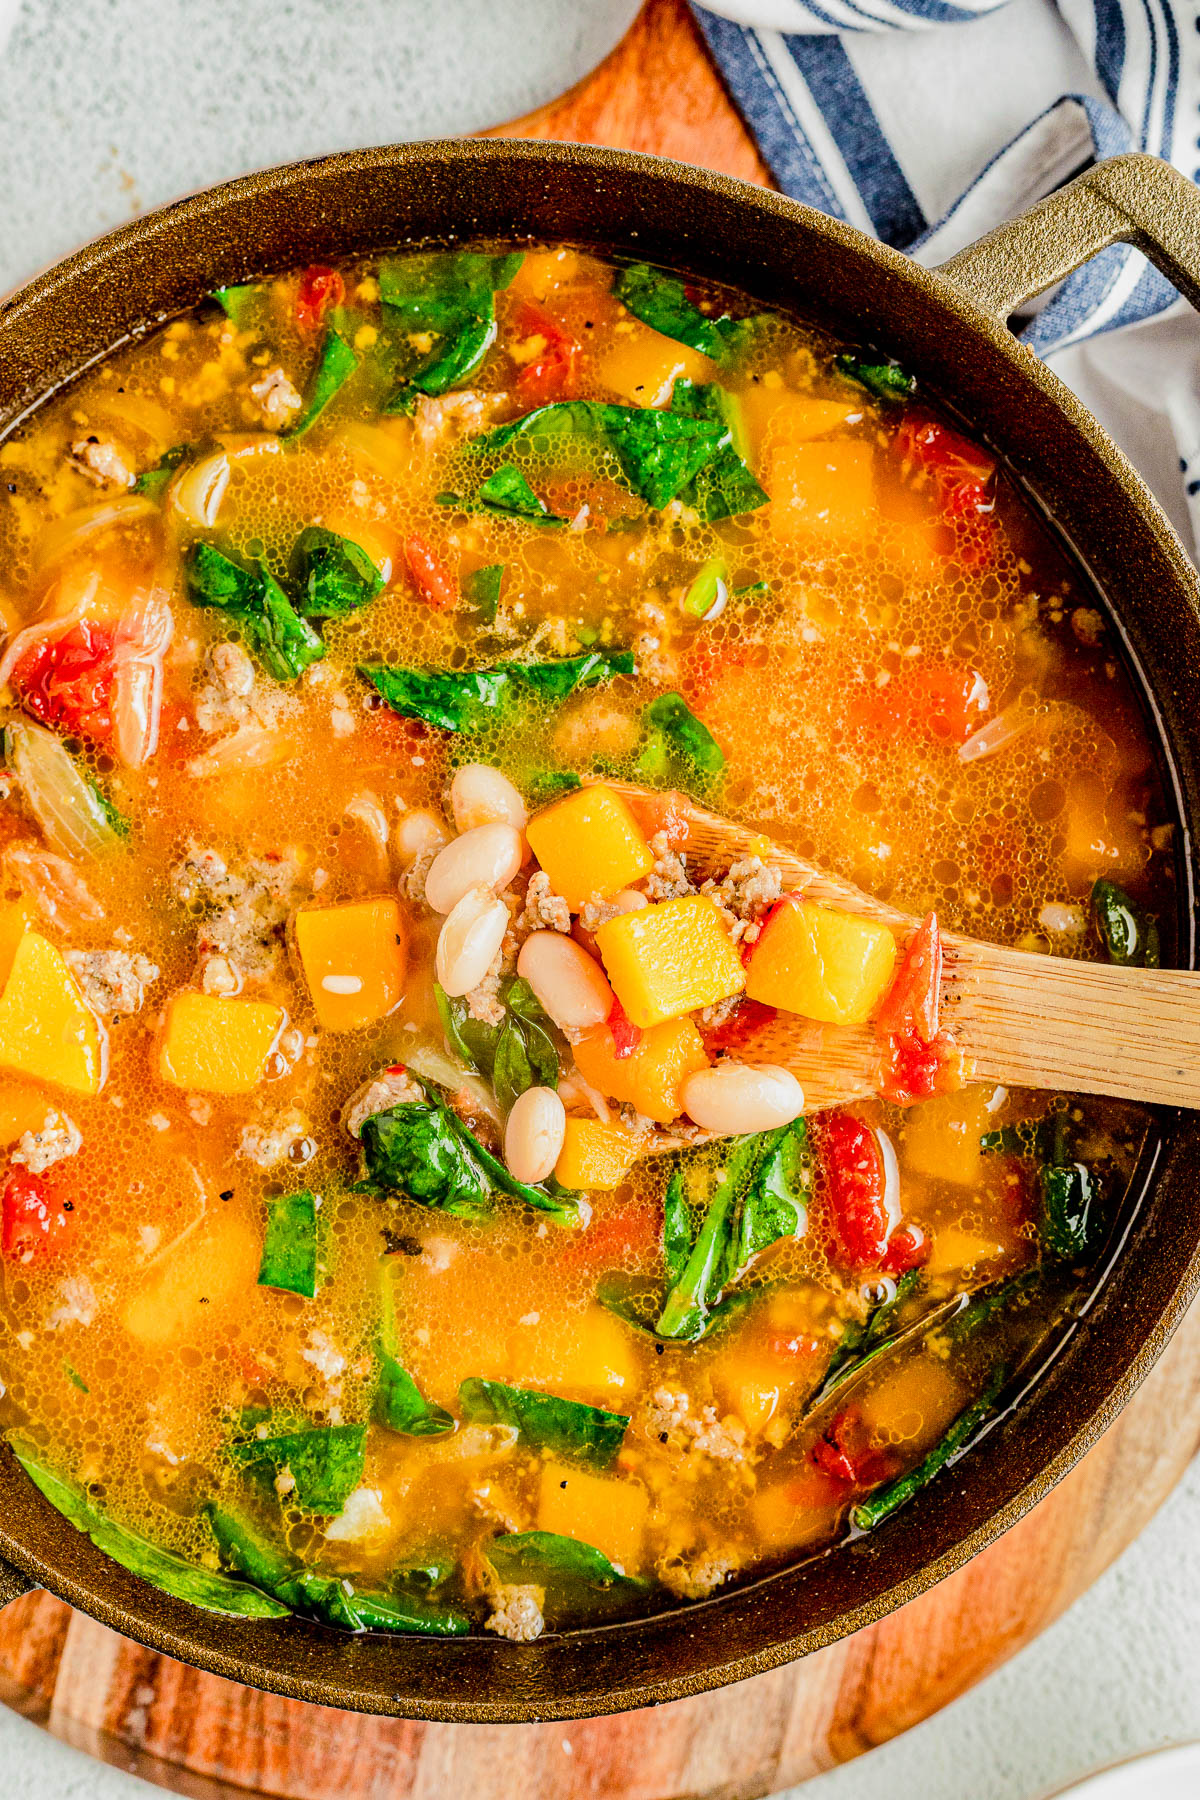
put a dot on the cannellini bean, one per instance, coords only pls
(418, 832)
(569, 983)
(487, 857)
(481, 795)
(629, 900)
(469, 939)
(734, 1097)
(534, 1134)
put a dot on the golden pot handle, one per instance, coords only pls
(1136, 199)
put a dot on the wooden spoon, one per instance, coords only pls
(1019, 1018)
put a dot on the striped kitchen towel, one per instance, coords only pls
(926, 122)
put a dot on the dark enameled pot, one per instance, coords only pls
(949, 327)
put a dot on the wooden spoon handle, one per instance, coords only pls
(1085, 1028)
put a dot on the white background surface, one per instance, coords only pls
(111, 106)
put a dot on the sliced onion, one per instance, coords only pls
(46, 630)
(197, 491)
(1009, 725)
(143, 638)
(54, 885)
(429, 1063)
(249, 747)
(81, 527)
(64, 804)
(248, 446)
(891, 1179)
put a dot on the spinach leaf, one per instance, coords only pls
(326, 1462)
(422, 1149)
(550, 1554)
(467, 699)
(335, 365)
(114, 817)
(519, 1053)
(762, 1197)
(885, 1500)
(483, 590)
(238, 302)
(74, 1377)
(588, 1433)
(333, 575)
(677, 743)
(880, 375)
(449, 296)
(508, 494)
(331, 1599)
(1130, 935)
(724, 486)
(154, 481)
(677, 1229)
(401, 1406)
(161, 1568)
(860, 1343)
(660, 301)
(1071, 1222)
(545, 785)
(273, 630)
(289, 1259)
(659, 453)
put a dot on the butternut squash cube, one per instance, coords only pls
(594, 1155)
(776, 416)
(941, 1137)
(669, 959)
(15, 921)
(217, 1046)
(822, 964)
(604, 1511)
(643, 366)
(649, 1079)
(22, 1108)
(46, 1030)
(957, 1250)
(209, 1268)
(589, 844)
(354, 958)
(827, 489)
(586, 1356)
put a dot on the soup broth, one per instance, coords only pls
(337, 1278)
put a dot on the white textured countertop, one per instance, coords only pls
(111, 106)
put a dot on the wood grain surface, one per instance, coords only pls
(206, 1737)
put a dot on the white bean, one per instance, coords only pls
(417, 832)
(629, 900)
(569, 983)
(489, 857)
(481, 795)
(469, 939)
(734, 1097)
(533, 1137)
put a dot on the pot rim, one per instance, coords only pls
(64, 1562)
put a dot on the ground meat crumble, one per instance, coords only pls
(278, 400)
(272, 1141)
(544, 909)
(38, 1151)
(745, 896)
(101, 463)
(518, 1612)
(244, 909)
(668, 880)
(113, 982)
(393, 1087)
(668, 1419)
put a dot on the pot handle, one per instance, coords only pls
(1135, 199)
(13, 1584)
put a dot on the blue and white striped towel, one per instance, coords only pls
(926, 122)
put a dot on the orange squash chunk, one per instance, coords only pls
(670, 959)
(217, 1046)
(606, 1513)
(22, 1108)
(589, 844)
(46, 1029)
(649, 1079)
(823, 488)
(354, 958)
(643, 366)
(594, 1155)
(822, 964)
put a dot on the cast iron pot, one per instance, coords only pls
(949, 328)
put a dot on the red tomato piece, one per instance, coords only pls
(741, 1027)
(67, 681)
(551, 374)
(626, 1036)
(915, 996)
(911, 1070)
(942, 701)
(857, 1183)
(909, 1249)
(815, 1491)
(798, 1346)
(633, 1227)
(963, 477)
(320, 289)
(665, 812)
(34, 1219)
(433, 581)
(846, 1454)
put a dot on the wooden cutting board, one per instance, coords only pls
(206, 1737)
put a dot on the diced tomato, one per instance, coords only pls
(626, 1036)
(856, 1178)
(551, 373)
(67, 681)
(433, 581)
(909, 1249)
(915, 996)
(35, 1217)
(665, 812)
(320, 289)
(613, 1234)
(963, 478)
(846, 1454)
(796, 1346)
(741, 1027)
(815, 1491)
(943, 701)
(910, 1070)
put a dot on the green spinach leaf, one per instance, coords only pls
(660, 301)
(519, 1053)
(239, 302)
(724, 487)
(422, 1149)
(333, 575)
(206, 1588)
(677, 1228)
(401, 1406)
(468, 699)
(549, 1554)
(290, 1259)
(154, 481)
(507, 494)
(1130, 935)
(326, 1463)
(677, 744)
(448, 297)
(880, 375)
(271, 627)
(589, 1434)
(335, 365)
(483, 591)
(658, 453)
